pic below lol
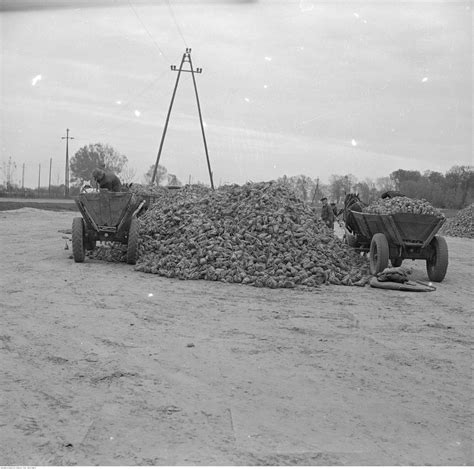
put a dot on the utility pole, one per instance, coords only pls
(186, 58)
(316, 191)
(39, 179)
(9, 173)
(49, 185)
(23, 177)
(66, 174)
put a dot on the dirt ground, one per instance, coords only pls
(103, 365)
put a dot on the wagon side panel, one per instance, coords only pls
(370, 224)
(401, 229)
(416, 229)
(106, 209)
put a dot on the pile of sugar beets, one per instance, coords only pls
(402, 204)
(460, 225)
(258, 234)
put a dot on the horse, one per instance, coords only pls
(352, 202)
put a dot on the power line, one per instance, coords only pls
(128, 103)
(113, 129)
(146, 29)
(176, 23)
(149, 85)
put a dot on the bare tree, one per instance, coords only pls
(336, 188)
(161, 174)
(8, 173)
(173, 180)
(128, 174)
(385, 184)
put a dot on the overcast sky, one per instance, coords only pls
(288, 86)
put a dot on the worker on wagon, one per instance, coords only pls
(334, 209)
(107, 180)
(327, 214)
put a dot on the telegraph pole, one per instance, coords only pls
(23, 177)
(39, 179)
(186, 58)
(66, 173)
(316, 191)
(49, 185)
(9, 173)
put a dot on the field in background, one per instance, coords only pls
(56, 205)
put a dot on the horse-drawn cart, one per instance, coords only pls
(400, 236)
(106, 216)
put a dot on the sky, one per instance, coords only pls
(288, 87)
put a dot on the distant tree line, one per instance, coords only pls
(451, 190)
(81, 166)
(99, 155)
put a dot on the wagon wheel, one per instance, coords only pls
(132, 247)
(396, 261)
(78, 242)
(378, 253)
(437, 263)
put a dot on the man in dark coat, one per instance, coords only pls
(107, 180)
(327, 215)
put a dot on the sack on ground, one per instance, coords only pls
(394, 274)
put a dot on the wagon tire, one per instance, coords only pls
(437, 263)
(132, 247)
(379, 252)
(78, 240)
(396, 261)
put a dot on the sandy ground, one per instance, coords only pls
(103, 365)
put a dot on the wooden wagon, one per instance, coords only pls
(106, 216)
(400, 236)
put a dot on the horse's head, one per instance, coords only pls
(351, 199)
(352, 202)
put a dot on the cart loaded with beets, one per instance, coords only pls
(396, 237)
(106, 216)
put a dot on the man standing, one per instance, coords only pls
(107, 180)
(327, 215)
